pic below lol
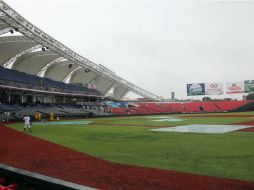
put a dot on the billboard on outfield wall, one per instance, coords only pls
(235, 87)
(249, 85)
(195, 89)
(213, 88)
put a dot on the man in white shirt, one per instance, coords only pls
(27, 123)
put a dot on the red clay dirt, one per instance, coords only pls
(216, 115)
(29, 153)
(250, 123)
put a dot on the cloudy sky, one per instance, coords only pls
(158, 45)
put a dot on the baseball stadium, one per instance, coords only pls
(80, 137)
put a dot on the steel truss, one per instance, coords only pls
(15, 20)
(54, 62)
(5, 30)
(9, 63)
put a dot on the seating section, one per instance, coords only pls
(180, 107)
(115, 104)
(23, 80)
(229, 105)
(6, 107)
(14, 112)
(200, 107)
(19, 111)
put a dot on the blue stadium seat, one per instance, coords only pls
(45, 83)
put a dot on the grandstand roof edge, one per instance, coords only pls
(41, 37)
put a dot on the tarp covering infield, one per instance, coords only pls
(197, 128)
(160, 117)
(62, 123)
(169, 119)
(29, 153)
(165, 118)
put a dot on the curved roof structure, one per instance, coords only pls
(33, 62)
(35, 52)
(11, 46)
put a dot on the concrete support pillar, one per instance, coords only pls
(9, 96)
(22, 98)
(34, 99)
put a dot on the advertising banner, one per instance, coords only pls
(249, 85)
(213, 88)
(195, 89)
(92, 86)
(235, 87)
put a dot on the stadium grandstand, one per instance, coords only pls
(38, 74)
(37, 70)
(144, 108)
(41, 77)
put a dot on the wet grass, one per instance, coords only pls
(227, 155)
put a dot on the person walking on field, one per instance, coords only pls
(27, 123)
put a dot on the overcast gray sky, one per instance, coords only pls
(158, 45)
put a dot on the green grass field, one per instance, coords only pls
(229, 155)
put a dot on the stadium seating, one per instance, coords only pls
(230, 105)
(63, 111)
(180, 107)
(199, 107)
(23, 80)
(115, 104)
(6, 107)
(145, 108)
